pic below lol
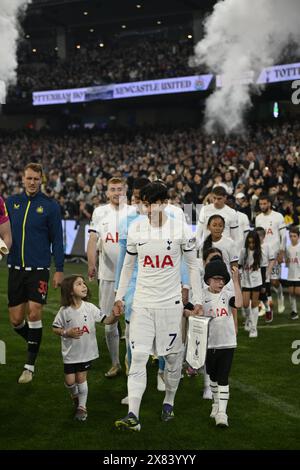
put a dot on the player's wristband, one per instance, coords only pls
(64, 334)
(189, 306)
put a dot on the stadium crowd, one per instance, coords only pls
(92, 64)
(265, 159)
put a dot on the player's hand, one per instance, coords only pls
(74, 333)
(198, 310)
(280, 257)
(57, 279)
(187, 313)
(91, 272)
(235, 274)
(118, 308)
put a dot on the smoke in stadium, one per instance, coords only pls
(9, 32)
(164, 258)
(241, 38)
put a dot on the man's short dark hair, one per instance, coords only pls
(154, 192)
(140, 183)
(294, 229)
(260, 230)
(265, 197)
(219, 191)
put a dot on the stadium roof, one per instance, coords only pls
(72, 13)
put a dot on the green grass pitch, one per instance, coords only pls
(264, 411)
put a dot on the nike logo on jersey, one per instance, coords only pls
(68, 321)
(141, 244)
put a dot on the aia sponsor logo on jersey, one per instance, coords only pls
(294, 260)
(85, 329)
(219, 312)
(247, 268)
(114, 238)
(157, 262)
(269, 231)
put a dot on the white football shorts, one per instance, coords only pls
(107, 296)
(156, 331)
(276, 271)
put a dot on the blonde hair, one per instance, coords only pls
(115, 180)
(36, 167)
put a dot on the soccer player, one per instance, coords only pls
(104, 232)
(36, 233)
(218, 207)
(5, 229)
(75, 323)
(218, 303)
(243, 220)
(158, 242)
(138, 186)
(293, 263)
(274, 225)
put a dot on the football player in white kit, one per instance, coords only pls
(243, 220)
(218, 207)
(104, 233)
(292, 259)
(158, 242)
(274, 225)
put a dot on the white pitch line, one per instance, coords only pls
(283, 325)
(280, 405)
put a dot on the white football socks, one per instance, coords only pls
(172, 376)
(293, 302)
(137, 381)
(112, 341)
(82, 394)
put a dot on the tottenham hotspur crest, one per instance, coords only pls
(197, 348)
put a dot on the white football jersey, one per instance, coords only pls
(228, 214)
(159, 251)
(228, 249)
(221, 327)
(85, 348)
(105, 222)
(175, 211)
(268, 254)
(244, 228)
(250, 278)
(274, 226)
(293, 255)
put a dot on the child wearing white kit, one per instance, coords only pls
(75, 323)
(292, 259)
(218, 303)
(250, 263)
